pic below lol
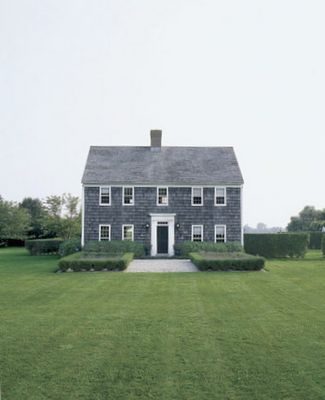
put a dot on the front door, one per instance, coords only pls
(162, 239)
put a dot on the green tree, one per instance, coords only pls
(53, 206)
(14, 221)
(309, 219)
(71, 222)
(37, 213)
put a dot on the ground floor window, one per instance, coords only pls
(197, 233)
(104, 232)
(220, 233)
(127, 232)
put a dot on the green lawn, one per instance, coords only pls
(254, 335)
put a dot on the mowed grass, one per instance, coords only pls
(255, 335)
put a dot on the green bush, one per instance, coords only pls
(323, 245)
(39, 247)
(115, 247)
(207, 261)
(185, 248)
(276, 245)
(97, 261)
(315, 240)
(69, 247)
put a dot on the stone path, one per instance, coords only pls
(161, 266)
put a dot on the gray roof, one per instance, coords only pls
(169, 166)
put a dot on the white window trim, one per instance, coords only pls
(133, 195)
(201, 226)
(215, 196)
(215, 228)
(123, 238)
(99, 232)
(100, 196)
(197, 187)
(162, 187)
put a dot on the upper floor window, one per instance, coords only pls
(127, 232)
(162, 196)
(220, 233)
(128, 195)
(105, 196)
(104, 232)
(220, 196)
(197, 233)
(197, 196)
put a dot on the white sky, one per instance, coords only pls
(249, 74)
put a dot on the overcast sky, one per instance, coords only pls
(248, 74)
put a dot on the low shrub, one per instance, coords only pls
(37, 247)
(12, 242)
(276, 245)
(115, 247)
(315, 240)
(185, 248)
(207, 261)
(323, 245)
(69, 247)
(97, 261)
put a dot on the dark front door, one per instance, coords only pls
(162, 239)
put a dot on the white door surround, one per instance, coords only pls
(168, 219)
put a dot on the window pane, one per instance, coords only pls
(196, 192)
(104, 232)
(220, 196)
(128, 232)
(162, 196)
(220, 233)
(104, 195)
(197, 233)
(128, 195)
(197, 195)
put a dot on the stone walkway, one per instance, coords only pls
(161, 266)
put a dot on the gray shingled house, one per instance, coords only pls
(160, 196)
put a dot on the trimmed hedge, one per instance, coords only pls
(323, 245)
(81, 261)
(39, 247)
(116, 247)
(206, 261)
(276, 245)
(315, 240)
(12, 243)
(185, 248)
(69, 247)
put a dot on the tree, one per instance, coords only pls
(37, 213)
(309, 219)
(14, 221)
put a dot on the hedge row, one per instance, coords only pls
(187, 247)
(38, 247)
(323, 245)
(117, 247)
(97, 262)
(229, 262)
(69, 247)
(276, 245)
(315, 240)
(12, 242)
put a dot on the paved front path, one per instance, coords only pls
(161, 266)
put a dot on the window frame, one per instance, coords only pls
(167, 195)
(192, 197)
(225, 233)
(225, 196)
(123, 238)
(202, 230)
(109, 193)
(123, 197)
(100, 239)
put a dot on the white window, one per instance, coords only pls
(105, 196)
(220, 233)
(127, 232)
(162, 196)
(197, 233)
(220, 196)
(197, 196)
(104, 232)
(128, 195)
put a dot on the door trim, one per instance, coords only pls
(170, 219)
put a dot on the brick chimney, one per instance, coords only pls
(155, 136)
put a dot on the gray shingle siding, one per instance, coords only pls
(145, 203)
